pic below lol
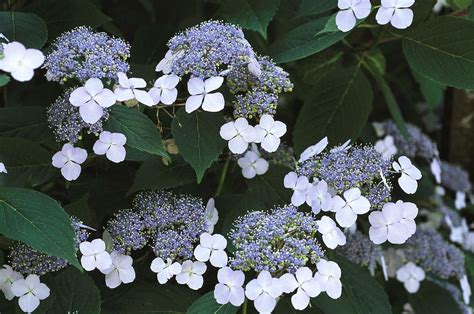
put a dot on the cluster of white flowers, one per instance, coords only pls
(395, 12)
(116, 267)
(30, 290)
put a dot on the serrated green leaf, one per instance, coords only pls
(25, 122)
(442, 49)
(338, 109)
(28, 164)
(27, 28)
(306, 39)
(37, 220)
(198, 140)
(153, 174)
(250, 14)
(140, 131)
(311, 7)
(207, 304)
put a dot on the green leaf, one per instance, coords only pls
(311, 7)
(140, 131)
(442, 49)
(37, 220)
(197, 137)
(75, 292)
(4, 79)
(28, 164)
(459, 4)
(361, 293)
(471, 13)
(249, 14)
(338, 109)
(432, 92)
(268, 188)
(207, 304)
(153, 174)
(433, 299)
(306, 39)
(25, 122)
(27, 28)
(80, 209)
(141, 297)
(61, 16)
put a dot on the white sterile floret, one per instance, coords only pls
(348, 208)
(7, 277)
(3, 169)
(191, 274)
(303, 280)
(239, 134)
(314, 150)
(299, 185)
(30, 292)
(121, 270)
(165, 64)
(130, 88)
(466, 289)
(349, 11)
(459, 233)
(164, 90)
(201, 95)
(460, 201)
(411, 276)
(386, 147)
(319, 198)
(435, 168)
(332, 235)
(264, 291)
(165, 270)
(395, 12)
(409, 213)
(341, 148)
(91, 99)
(111, 145)
(94, 255)
(252, 164)
(268, 133)
(229, 288)
(329, 278)
(69, 160)
(409, 174)
(212, 248)
(19, 61)
(211, 215)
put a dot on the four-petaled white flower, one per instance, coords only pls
(69, 160)
(94, 255)
(386, 147)
(264, 290)
(332, 235)
(239, 134)
(19, 61)
(7, 277)
(329, 278)
(3, 168)
(460, 201)
(410, 174)
(268, 133)
(201, 95)
(229, 288)
(411, 276)
(348, 208)
(111, 145)
(303, 280)
(314, 150)
(167, 62)
(129, 88)
(299, 185)
(191, 274)
(396, 12)
(121, 270)
(165, 271)
(211, 214)
(211, 248)
(319, 198)
(466, 289)
(91, 99)
(252, 164)
(164, 90)
(350, 10)
(435, 168)
(30, 291)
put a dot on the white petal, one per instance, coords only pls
(93, 86)
(261, 166)
(218, 258)
(362, 10)
(222, 293)
(168, 96)
(136, 82)
(407, 184)
(196, 86)
(33, 58)
(397, 234)
(345, 20)
(59, 160)
(378, 235)
(300, 300)
(143, 97)
(123, 80)
(289, 283)
(91, 112)
(213, 83)
(202, 253)
(71, 171)
(106, 98)
(412, 285)
(253, 289)
(88, 262)
(213, 102)
(79, 97)
(193, 103)
(384, 15)
(195, 282)
(112, 279)
(22, 74)
(28, 303)
(238, 145)
(264, 303)
(228, 131)
(123, 94)
(270, 143)
(127, 275)
(345, 217)
(103, 260)
(237, 296)
(334, 288)
(116, 153)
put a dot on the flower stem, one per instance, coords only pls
(222, 178)
(244, 307)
